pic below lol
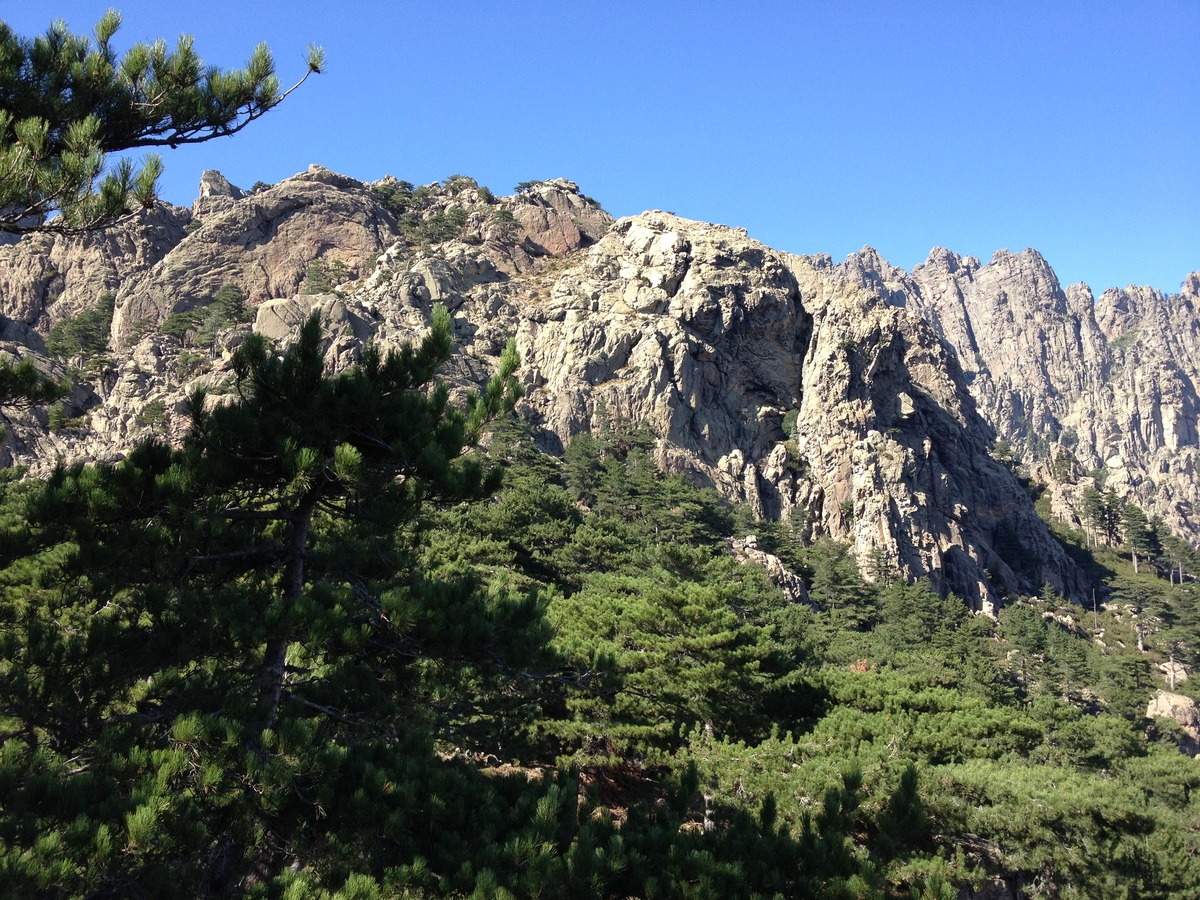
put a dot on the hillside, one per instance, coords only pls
(782, 578)
(834, 393)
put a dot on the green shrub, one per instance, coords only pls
(139, 330)
(503, 219)
(191, 363)
(323, 276)
(58, 417)
(85, 333)
(789, 423)
(231, 303)
(178, 324)
(456, 184)
(394, 196)
(154, 414)
(1126, 340)
(203, 324)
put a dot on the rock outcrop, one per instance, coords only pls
(747, 550)
(1110, 381)
(713, 338)
(47, 277)
(557, 219)
(1183, 712)
(856, 399)
(263, 243)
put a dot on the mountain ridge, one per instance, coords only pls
(896, 384)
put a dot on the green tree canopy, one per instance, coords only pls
(24, 385)
(230, 633)
(1139, 538)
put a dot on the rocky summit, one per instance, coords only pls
(860, 401)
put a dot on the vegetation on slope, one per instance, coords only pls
(265, 665)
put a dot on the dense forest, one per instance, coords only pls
(350, 641)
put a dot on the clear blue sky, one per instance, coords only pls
(1071, 127)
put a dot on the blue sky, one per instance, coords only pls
(1071, 127)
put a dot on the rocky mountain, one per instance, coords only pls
(1110, 383)
(857, 400)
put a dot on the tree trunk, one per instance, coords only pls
(275, 656)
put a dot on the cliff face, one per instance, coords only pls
(887, 381)
(46, 277)
(713, 339)
(1112, 381)
(888, 419)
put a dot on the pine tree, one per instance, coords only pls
(1103, 511)
(217, 657)
(1178, 556)
(1093, 511)
(672, 654)
(1138, 536)
(902, 823)
(66, 102)
(24, 385)
(1114, 508)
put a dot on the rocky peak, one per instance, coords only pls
(216, 194)
(889, 423)
(321, 175)
(1080, 302)
(557, 218)
(869, 270)
(1111, 382)
(949, 262)
(262, 242)
(712, 338)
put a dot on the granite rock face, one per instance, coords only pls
(1181, 710)
(713, 339)
(902, 455)
(263, 243)
(856, 399)
(557, 219)
(174, 260)
(47, 277)
(1111, 381)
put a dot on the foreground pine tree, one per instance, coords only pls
(217, 658)
(66, 102)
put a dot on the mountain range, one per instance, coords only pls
(904, 413)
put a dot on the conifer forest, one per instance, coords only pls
(308, 654)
